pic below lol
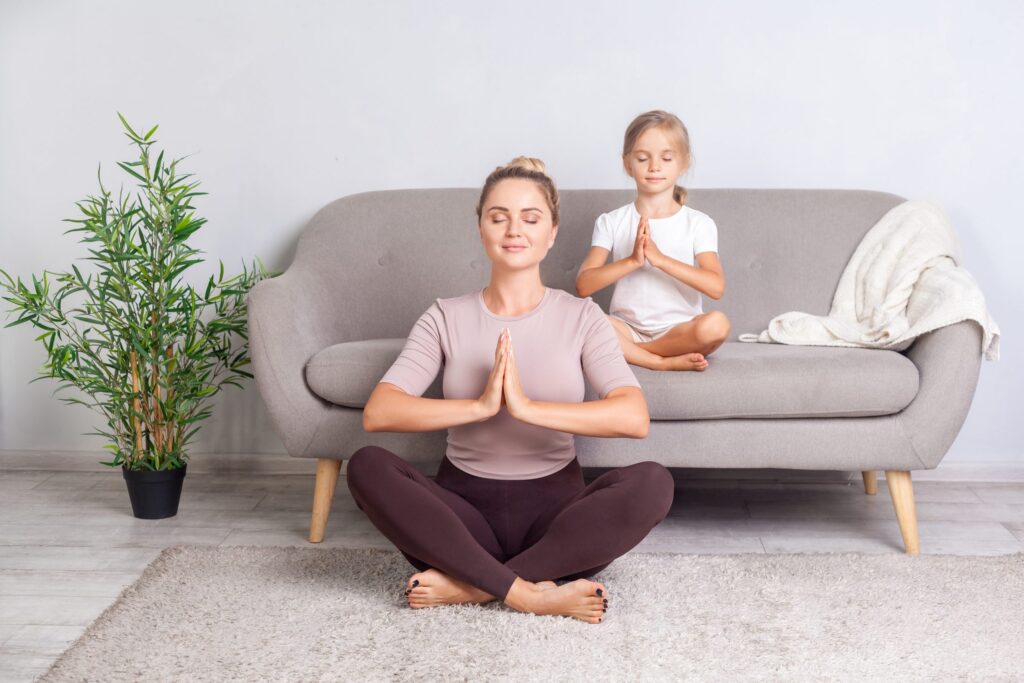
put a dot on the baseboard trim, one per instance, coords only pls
(280, 463)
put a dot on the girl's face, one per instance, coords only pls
(655, 162)
(515, 225)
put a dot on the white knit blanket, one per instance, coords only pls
(903, 280)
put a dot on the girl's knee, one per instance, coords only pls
(713, 327)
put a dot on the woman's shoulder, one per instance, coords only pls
(570, 304)
(454, 304)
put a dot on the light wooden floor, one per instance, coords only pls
(69, 544)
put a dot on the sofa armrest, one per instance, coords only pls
(949, 361)
(289, 321)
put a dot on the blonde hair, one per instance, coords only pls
(529, 168)
(669, 123)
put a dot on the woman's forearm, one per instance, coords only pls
(393, 410)
(595, 279)
(619, 416)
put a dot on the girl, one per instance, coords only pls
(656, 307)
(508, 513)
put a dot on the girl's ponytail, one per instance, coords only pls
(679, 194)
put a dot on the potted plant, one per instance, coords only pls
(136, 345)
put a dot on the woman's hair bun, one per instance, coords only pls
(529, 168)
(529, 163)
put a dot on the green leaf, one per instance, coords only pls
(128, 168)
(134, 134)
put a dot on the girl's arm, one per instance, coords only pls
(594, 275)
(706, 277)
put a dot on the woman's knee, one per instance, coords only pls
(656, 488)
(368, 460)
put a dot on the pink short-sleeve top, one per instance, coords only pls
(562, 342)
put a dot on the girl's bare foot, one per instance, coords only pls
(581, 599)
(433, 588)
(546, 585)
(687, 361)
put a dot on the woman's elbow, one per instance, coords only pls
(641, 429)
(641, 423)
(371, 418)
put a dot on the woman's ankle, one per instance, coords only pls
(520, 595)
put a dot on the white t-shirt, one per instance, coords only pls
(648, 298)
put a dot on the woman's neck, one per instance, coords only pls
(660, 205)
(514, 293)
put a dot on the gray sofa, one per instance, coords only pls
(324, 332)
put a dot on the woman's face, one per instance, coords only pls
(515, 224)
(654, 162)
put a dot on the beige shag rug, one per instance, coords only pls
(245, 613)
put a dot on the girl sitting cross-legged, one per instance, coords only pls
(664, 256)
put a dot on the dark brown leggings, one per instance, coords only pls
(486, 532)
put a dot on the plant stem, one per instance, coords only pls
(158, 418)
(137, 405)
(170, 370)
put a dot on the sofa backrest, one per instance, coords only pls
(384, 256)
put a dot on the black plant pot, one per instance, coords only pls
(154, 494)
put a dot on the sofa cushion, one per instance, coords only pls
(742, 381)
(347, 373)
(775, 380)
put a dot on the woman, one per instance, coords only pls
(509, 513)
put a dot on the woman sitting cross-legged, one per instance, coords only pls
(508, 516)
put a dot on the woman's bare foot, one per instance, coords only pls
(581, 599)
(433, 588)
(687, 361)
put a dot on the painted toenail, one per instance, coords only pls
(600, 592)
(415, 583)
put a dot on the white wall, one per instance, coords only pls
(285, 106)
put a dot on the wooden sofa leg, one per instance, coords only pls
(327, 471)
(902, 491)
(870, 483)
